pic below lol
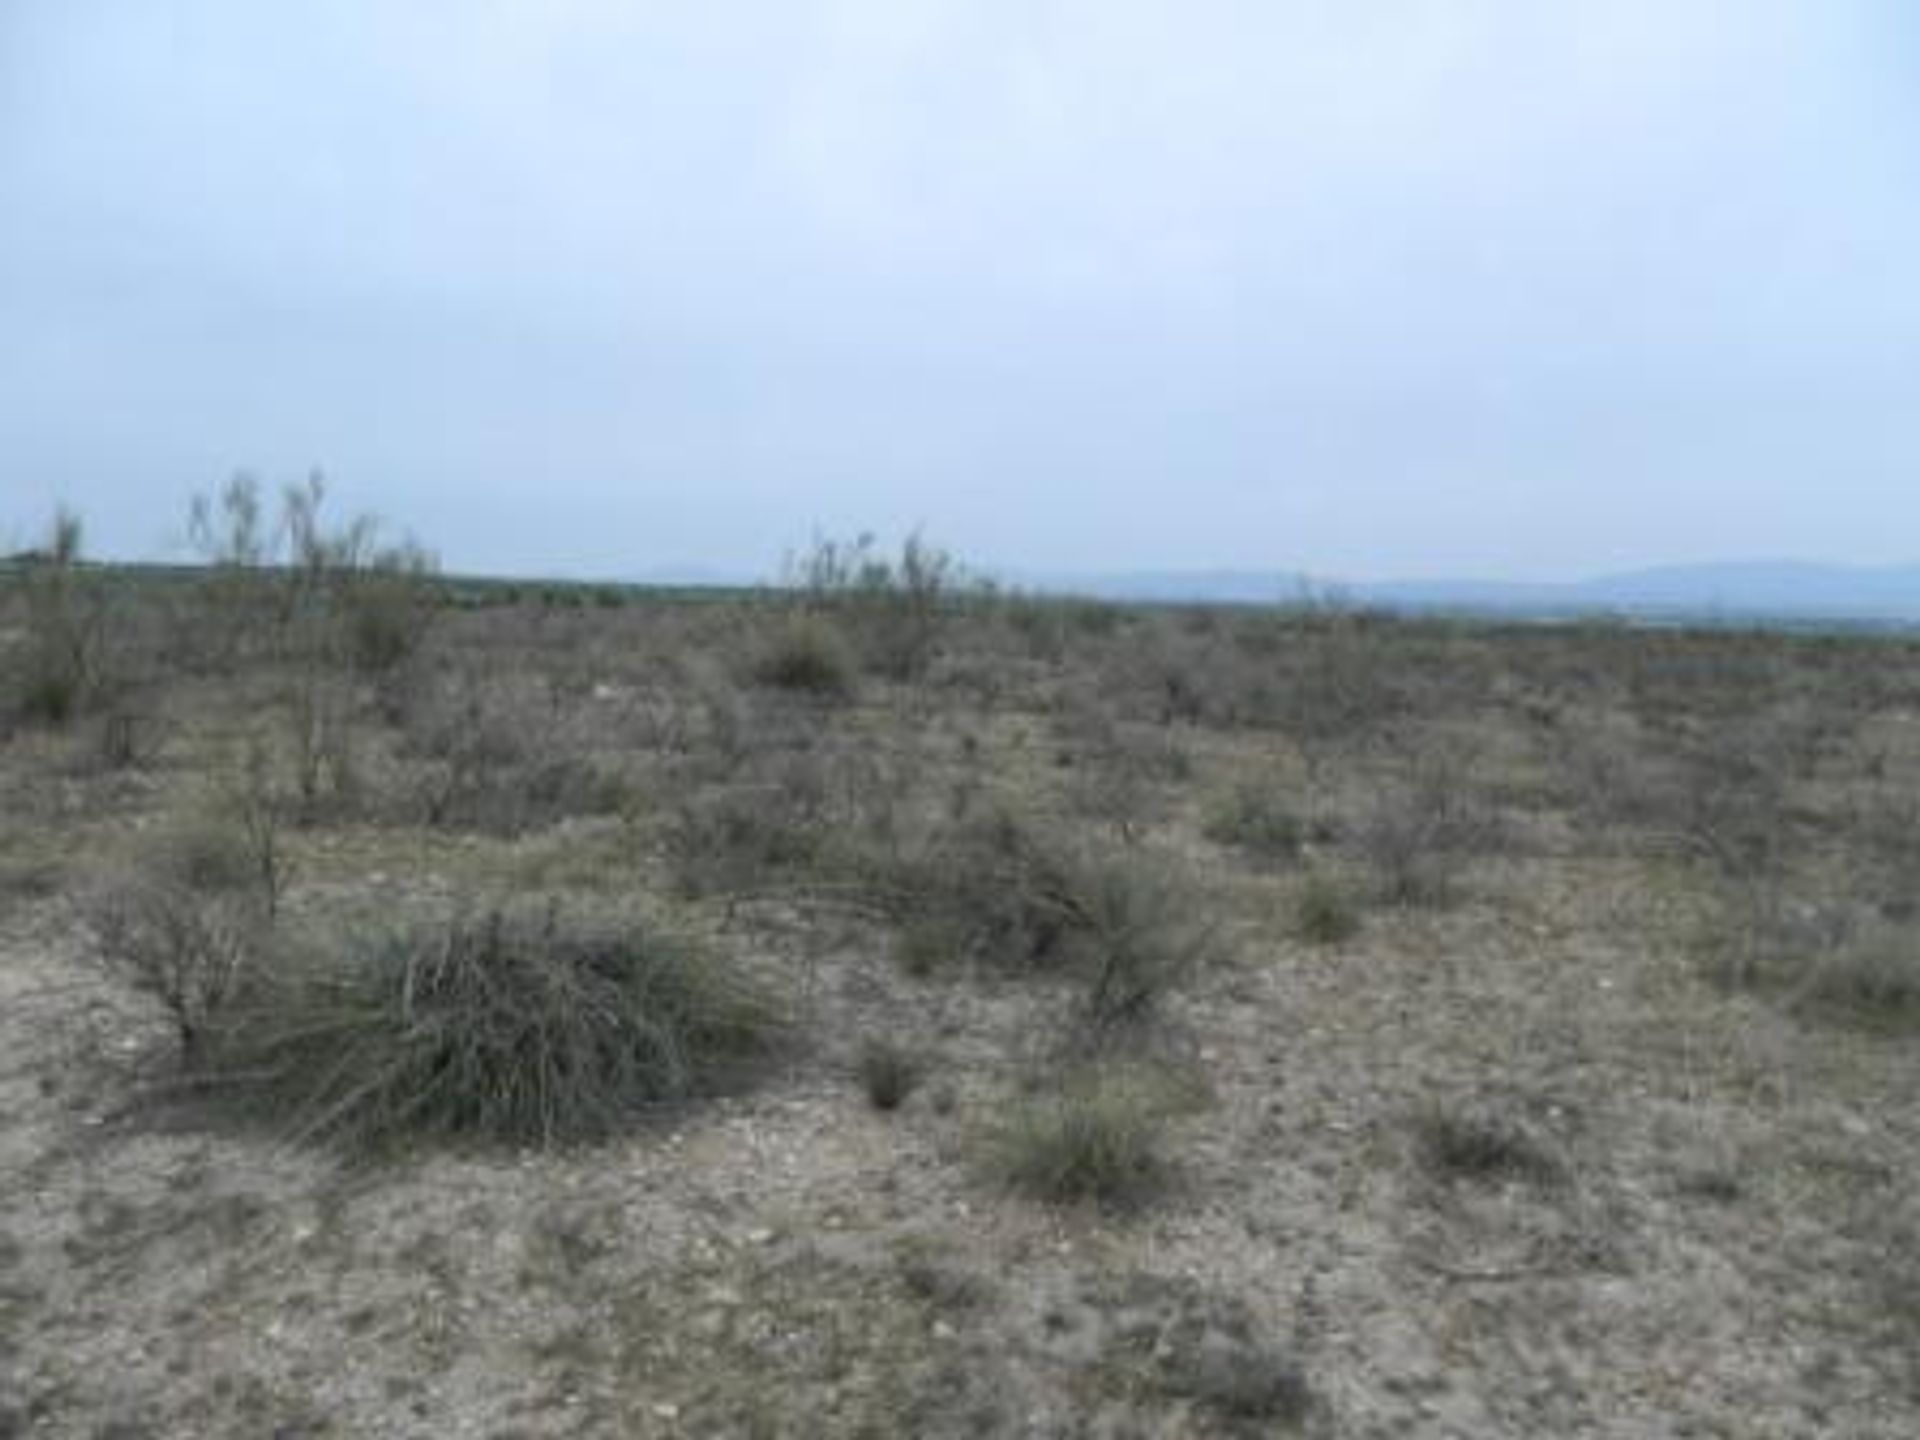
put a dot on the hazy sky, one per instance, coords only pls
(1368, 288)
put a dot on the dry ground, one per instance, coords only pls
(1601, 1122)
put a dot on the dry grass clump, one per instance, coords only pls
(519, 1024)
(1096, 1136)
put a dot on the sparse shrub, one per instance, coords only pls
(895, 609)
(205, 853)
(1120, 773)
(1322, 912)
(934, 1274)
(60, 671)
(1141, 935)
(889, 1072)
(1189, 1343)
(811, 656)
(998, 891)
(1099, 1137)
(1258, 820)
(518, 1025)
(314, 593)
(1420, 835)
(319, 710)
(736, 838)
(187, 948)
(387, 603)
(124, 738)
(1868, 973)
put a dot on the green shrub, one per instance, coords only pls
(517, 1025)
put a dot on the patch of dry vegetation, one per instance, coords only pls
(1205, 913)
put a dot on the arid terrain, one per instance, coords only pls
(880, 1007)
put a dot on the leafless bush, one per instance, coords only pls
(61, 667)
(189, 949)
(302, 589)
(895, 609)
(1427, 826)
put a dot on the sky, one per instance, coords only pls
(609, 288)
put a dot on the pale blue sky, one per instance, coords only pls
(1487, 287)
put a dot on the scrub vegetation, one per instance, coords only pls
(881, 1004)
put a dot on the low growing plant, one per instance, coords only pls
(518, 1024)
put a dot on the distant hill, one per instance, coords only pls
(1763, 589)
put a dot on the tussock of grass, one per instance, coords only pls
(518, 1025)
(1096, 1137)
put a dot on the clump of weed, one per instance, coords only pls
(518, 1024)
(888, 1071)
(1322, 912)
(1097, 1135)
(1258, 820)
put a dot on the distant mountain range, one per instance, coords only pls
(1733, 590)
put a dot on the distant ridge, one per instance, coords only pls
(1744, 589)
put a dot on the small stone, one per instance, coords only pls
(666, 1410)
